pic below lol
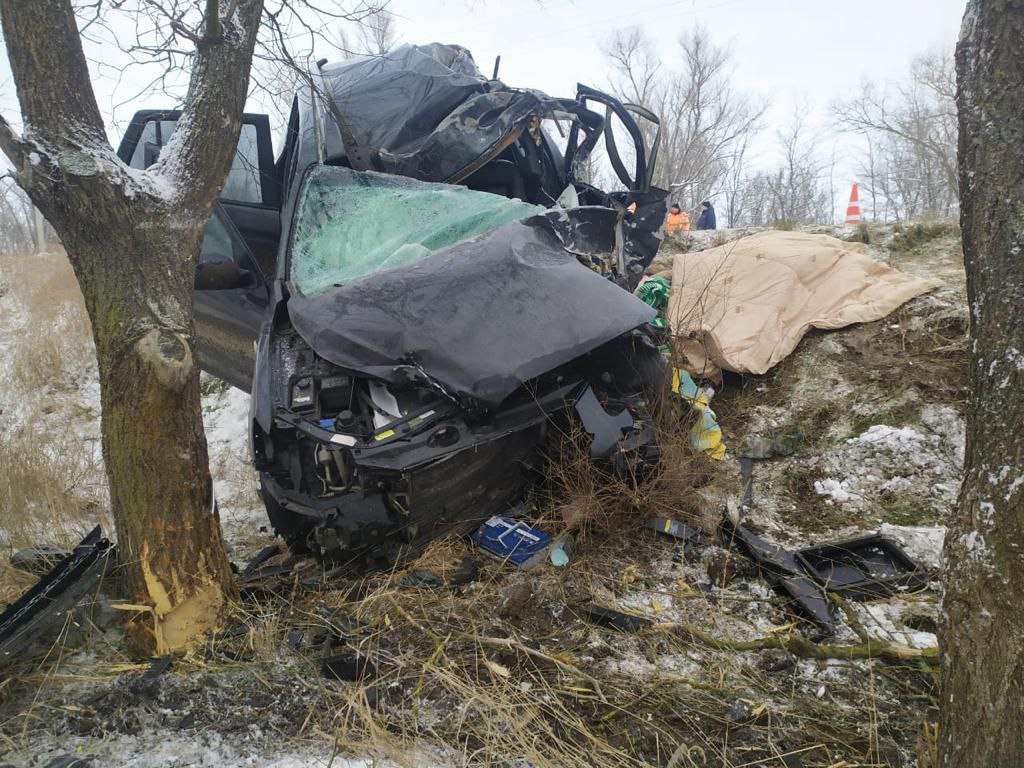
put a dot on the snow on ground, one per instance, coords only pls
(209, 749)
(884, 462)
(923, 543)
(226, 420)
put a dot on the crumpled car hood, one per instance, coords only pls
(481, 317)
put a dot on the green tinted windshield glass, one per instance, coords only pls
(353, 224)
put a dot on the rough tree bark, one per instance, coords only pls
(131, 238)
(982, 638)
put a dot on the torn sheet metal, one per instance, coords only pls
(423, 111)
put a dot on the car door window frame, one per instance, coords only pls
(269, 185)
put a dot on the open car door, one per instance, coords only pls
(251, 197)
(230, 300)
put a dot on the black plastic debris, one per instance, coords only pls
(786, 574)
(46, 604)
(612, 619)
(691, 537)
(253, 567)
(348, 666)
(862, 569)
(156, 668)
(422, 578)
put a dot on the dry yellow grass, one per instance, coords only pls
(54, 347)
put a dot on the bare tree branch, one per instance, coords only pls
(71, 120)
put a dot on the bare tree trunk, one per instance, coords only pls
(131, 238)
(983, 634)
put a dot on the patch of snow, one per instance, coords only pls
(884, 621)
(838, 491)
(922, 543)
(206, 749)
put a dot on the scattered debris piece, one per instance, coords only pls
(422, 578)
(691, 537)
(740, 711)
(262, 557)
(747, 474)
(605, 428)
(721, 568)
(26, 619)
(705, 435)
(612, 619)
(513, 541)
(560, 551)
(466, 573)
(156, 668)
(348, 666)
(862, 569)
(784, 571)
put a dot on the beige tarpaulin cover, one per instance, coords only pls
(745, 305)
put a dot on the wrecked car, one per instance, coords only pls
(420, 290)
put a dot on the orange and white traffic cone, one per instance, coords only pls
(853, 215)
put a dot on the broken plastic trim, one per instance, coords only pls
(54, 595)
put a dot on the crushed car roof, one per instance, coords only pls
(423, 111)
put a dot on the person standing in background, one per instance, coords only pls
(707, 216)
(677, 220)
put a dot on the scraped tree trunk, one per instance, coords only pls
(982, 638)
(131, 237)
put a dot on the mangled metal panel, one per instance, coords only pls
(423, 111)
(480, 317)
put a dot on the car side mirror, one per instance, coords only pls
(221, 276)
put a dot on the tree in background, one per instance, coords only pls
(910, 130)
(982, 637)
(373, 34)
(17, 233)
(706, 123)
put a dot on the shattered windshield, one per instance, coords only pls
(352, 224)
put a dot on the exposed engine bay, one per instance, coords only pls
(356, 468)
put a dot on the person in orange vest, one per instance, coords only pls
(677, 220)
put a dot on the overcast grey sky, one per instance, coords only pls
(790, 51)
